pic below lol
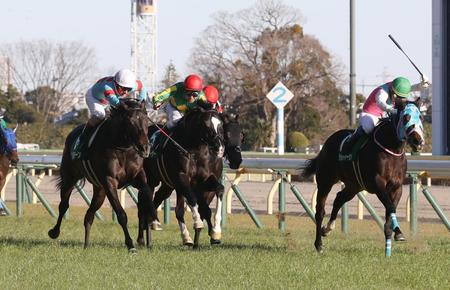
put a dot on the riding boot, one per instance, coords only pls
(84, 139)
(350, 143)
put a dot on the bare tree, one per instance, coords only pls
(246, 53)
(170, 77)
(54, 72)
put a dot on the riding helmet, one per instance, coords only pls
(193, 83)
(401, 87)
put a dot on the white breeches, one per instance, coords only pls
(96, 109)
(173, 115)
(368, 122)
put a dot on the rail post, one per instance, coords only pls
(19, 184)
(224, 198)
(413, 202)
(281, 203)
(344, 216)
(167, 211)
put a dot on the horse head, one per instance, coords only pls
(205, 126)
(133, 123)
(410, 126)
(233, 138)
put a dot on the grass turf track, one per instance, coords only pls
(248, 258)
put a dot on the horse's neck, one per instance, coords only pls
(387, 136)
(113, 135)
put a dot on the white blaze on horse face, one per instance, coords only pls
(216, 123)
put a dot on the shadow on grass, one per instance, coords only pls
(29, 243)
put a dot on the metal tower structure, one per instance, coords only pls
(143, 42)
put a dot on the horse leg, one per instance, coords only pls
(162, 194)
(179, 213)
(146, 207)
(205, 213)
(97, 200)
(65, 192)
(111, 193)
(342, 197)
(391, 219)
(395, 197)
(216, 233)
(323, 188)
(191, 199)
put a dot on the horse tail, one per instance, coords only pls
(311, 167)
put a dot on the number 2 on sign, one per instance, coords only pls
(282, 92)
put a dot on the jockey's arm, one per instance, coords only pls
(141, 93)
(110, 95)
(163, 96)
(381, 99)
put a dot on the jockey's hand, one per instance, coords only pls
(425, 81)
(156, 106)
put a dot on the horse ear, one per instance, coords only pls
(406, 119)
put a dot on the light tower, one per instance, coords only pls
(143, 42)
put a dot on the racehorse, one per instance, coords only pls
(233, 138)
(380, 168)
(186, 164)
(8, 153)
(115, 160)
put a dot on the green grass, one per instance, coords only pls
(248, 258)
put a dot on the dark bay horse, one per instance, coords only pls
(200, 133)
(8, 153)
(380, 168)
(212, 187)
(115, 160)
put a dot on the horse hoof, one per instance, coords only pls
(132, 251)
(215, 241)
(195, 247)
(216, 235)
(399, 238)
(140, 242)
(188, 243)
(319, 248)
(156, 226)
(324, 232)
(53, 233)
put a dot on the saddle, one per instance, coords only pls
(157, 142)
(77, 148)
(351, 154)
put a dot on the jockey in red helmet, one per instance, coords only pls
(212, 97)
(180, 98)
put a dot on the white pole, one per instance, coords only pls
(280, 128)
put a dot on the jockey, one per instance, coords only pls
(107, 92)
(180, 98)
(380, 102)
(212, 98)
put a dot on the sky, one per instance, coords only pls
(105, 26)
